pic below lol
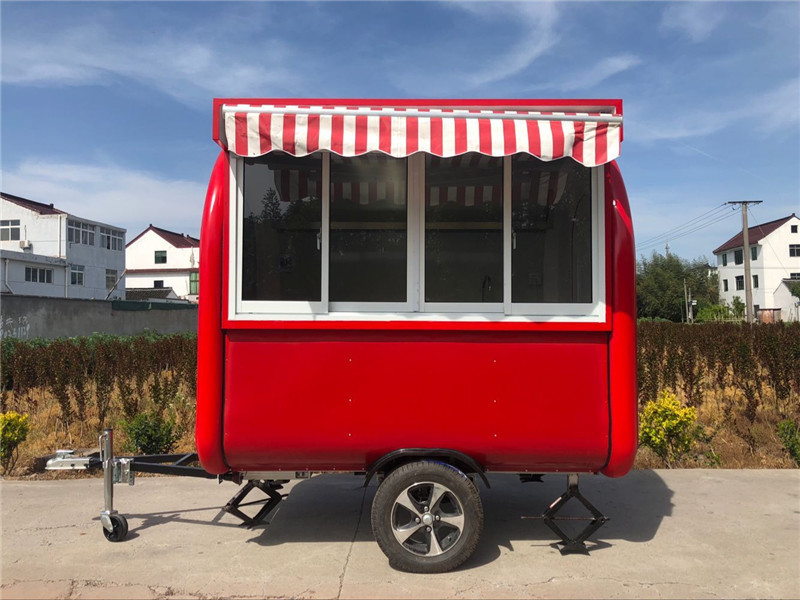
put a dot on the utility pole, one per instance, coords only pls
(748, 282)
(686, 301)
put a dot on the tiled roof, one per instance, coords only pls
(177, 240)
(755, 234)
(42, 209)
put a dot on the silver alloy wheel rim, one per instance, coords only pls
(427, 519)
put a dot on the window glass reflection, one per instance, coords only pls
(368, 229)
(551, 220)
(464, 229)
(281, 245)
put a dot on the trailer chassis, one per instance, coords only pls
(123, 469)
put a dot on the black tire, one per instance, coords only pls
(120, 529)
(418, 537)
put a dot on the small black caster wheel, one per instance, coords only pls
(120, 529)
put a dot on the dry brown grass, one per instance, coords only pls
(732, 441)
(48, 432)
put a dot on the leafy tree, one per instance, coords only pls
(738, 307)
(713, 312)
(659, 286)
(794, 288)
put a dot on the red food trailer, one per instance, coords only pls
(421, 291)
(425, 290)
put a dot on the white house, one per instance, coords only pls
(774, 264)
(45, 251)
(158, 258)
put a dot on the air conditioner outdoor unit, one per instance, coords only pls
(25, 244)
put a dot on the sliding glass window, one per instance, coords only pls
(464, 230)
(368, 229)
(281, 228)
(551, 231)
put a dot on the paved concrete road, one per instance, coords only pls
(673, 534)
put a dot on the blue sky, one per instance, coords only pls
(106, 107)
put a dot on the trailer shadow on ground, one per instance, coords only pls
(337, 508)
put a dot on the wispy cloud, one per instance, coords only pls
(537, 24)
(695, 20)
(589, 78)
(496, 42)
(110, 194)
(189, 65)
(766, 113)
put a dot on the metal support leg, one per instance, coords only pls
(268, 487)
(107, 457)
(596, 521)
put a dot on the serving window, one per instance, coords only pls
(375, 237)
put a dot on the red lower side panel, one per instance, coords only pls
(340, 400)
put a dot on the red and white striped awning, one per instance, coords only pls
(591, 139)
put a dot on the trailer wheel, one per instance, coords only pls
(427, 517)
(119, 524)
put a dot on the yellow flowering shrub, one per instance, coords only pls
(14, 429)
(668, 428)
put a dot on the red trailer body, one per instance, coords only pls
(538, 376)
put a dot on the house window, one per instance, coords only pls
(724, 259)
(753, 252)
(194, 283)
(755, 281)
(794, 276)
(79, 232)
(111, 278)
(794, 249)
(738, 257)
(9, 230)
(76, 274)
(112, 239)
(724, 285)
(497, 236)
(158, 284)
(160, 257)
(740, 282)
(36, 275)
(794, 228)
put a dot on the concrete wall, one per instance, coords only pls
(27, 317)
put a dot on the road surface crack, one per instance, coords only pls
(352, 543)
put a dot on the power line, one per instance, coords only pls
(716, 209)
(685, 233)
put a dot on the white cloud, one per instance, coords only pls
(538, 24)
(695, 20)
(771, 111)
(188, 65)
(111, 194)
(594, 75)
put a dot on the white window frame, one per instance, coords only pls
(78, 231)
(80, 275)
(38, 275)
(415, 308)
(412, 252)
(110, 272)
(112, 239)
(11, 226)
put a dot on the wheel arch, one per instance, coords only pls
(390, 461)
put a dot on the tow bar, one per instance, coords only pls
(123, 470)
